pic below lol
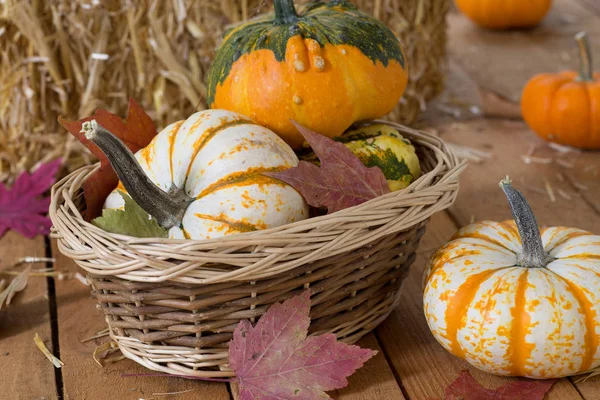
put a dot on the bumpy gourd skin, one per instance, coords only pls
(328, 67)
(382, 146)
(505, 14)
(218, 158)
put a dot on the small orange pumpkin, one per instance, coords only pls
(565, 107)
(505, 14)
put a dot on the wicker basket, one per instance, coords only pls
(172, 305)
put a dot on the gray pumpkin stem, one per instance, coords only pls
(534, 255)
(166, 208)
(586, 71)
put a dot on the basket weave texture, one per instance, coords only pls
(172, 305)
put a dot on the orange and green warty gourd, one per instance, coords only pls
(326, 67)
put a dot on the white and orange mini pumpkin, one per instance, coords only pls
(202, 178)
(512, 301)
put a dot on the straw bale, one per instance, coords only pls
(70, 57)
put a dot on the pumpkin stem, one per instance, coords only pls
(167, 208)
(586, 73)
(534, 255)
(285, 12)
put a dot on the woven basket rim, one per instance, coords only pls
(433, 191)
(456, 166)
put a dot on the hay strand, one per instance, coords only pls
(16, 285)
(69, 58)
(40, 345)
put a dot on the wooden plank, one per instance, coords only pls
(491, 57)
(509, 142)
(593, 5)
(496, 106)
(375, 380)
(425, 368)
(78, 319)
(26, 373)
(464, 99)
(589, 389)
(582, 172)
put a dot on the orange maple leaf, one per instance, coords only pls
(136, 132)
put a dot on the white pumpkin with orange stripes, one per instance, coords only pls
(530, 309)
(202, 178)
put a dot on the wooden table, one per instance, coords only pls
(410, 363)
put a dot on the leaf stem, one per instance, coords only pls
(167, 208)
(534, 255)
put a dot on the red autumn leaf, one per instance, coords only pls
(465, 387)
(342, 181)
(21, 207)
(136, 133)
(276, 360)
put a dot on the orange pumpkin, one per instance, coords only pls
(505, 14)
(325, 67)
(565, 107)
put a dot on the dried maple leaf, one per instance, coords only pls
(465, 387)
(21, 207)
(276, 360)
(342, 181)
(136, 133)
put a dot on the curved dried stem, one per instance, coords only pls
(534, 255)
(586, 72)
(167, 208)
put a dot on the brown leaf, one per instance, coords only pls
(96, 189)
(105, 118)
(136, 133)
(465, 387)
(342, 181)
(140, 127)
